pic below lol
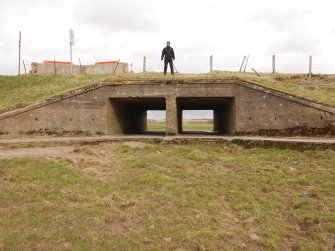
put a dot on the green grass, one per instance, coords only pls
(158, 126)
(16, 92)
(198, 127)
(170, 197)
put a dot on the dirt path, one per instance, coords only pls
(58, 151)
(301, 143)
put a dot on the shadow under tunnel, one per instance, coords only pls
(129, 115)
(223, 113)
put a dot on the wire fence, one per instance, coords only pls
(264, 64)
(202, 64)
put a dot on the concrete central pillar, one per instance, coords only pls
(171, 116)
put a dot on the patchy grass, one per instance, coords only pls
(160, 126)
(198, 126)
(170, 197)
(321, 89)
(156, 125)
(16, 92)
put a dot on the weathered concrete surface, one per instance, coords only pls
(65, 69)
(240, 108)
(298, 143)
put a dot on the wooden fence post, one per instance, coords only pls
(19, 72)
(245, 67)
(80, 67)
(211, 63)
(310, 67)
(144, 64)
(55, 66)
(242, 63)
(24, 65)
(273, 64)
(255, 72)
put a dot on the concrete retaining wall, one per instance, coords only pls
(250, 109)
(65, 69)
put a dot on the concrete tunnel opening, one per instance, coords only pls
(223, 113)
(198, 121)
(156, 122)
(130, 115)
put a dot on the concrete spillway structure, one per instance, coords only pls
(238, 107)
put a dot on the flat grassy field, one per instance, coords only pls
(141, 196)
(159, 126)
(16, 92)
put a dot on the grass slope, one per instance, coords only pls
(16, 92)
(170, 197)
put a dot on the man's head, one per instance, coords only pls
(167, 43)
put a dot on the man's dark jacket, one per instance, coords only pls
(168, 53)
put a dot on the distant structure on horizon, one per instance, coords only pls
(64, 68)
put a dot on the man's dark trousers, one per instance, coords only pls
(170, 61)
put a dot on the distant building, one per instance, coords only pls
(64, 68)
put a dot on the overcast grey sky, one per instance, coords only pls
(130, 29)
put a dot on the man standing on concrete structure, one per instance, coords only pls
(168, 55)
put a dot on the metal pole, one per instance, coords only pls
(19, 53)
